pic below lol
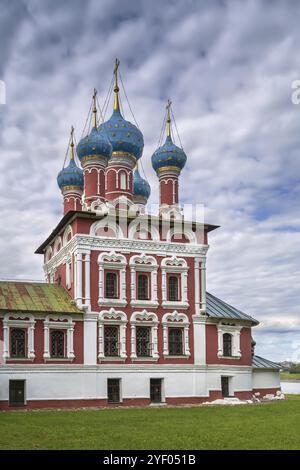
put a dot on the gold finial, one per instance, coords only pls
(72, 144)
(168, 108)
(116, 87)
(95, 109)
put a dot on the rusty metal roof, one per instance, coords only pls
(35, 297)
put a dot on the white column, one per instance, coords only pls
(133, 283)
(88, 279)
(70, 348)
(184, 287)
(163, 285)
(123, 284)
(100, 341)
(166, 342)
(133, 342)
(90, 338)
(154, 285)
(199, 324)
(46, 354)
(197, 286)
(6, 341)
(123, 340)
(220, 342)
(79, 278)
(186, 341)
(203, 286)
(155, 342)
(101, 283)
(31, 354)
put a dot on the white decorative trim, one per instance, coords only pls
(109, 223)
(142, 224)
(59, 322)
(182, 230)
(144, 263)
(18, 320)
(69, 271)
(235, 331)
(58, 243)
(176, 319)
(144, 318)
(112, 260)
(175, 265)
(67, 232)
(112, 317)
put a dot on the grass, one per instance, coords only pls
(289, 376)
(274, 425)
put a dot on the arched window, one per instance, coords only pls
(123, 184)
(175, 341)
(173, 288)
(111, 286)
(18, 343)
(57, 344)
(143, 287)
(227, 344)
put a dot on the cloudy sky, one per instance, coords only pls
(228, 66)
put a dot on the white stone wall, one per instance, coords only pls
(266, 379)
(83, 382)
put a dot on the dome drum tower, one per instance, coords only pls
(70, 181)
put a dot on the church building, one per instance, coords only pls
(124, 317)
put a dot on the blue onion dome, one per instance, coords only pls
(70, 176)
(141, 187)
(124, 136)
(94, 144)
(168, 155)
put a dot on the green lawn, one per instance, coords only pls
(273, 425)
(288, 376)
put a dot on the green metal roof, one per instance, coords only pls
(261, 363)
(217, 308)
(35, 297)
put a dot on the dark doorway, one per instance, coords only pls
(225, 386)
(17, 392)
(113, 390)
(155, 390)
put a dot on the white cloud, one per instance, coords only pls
(228, 67)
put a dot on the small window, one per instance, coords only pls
(173, 288)
(123, 184)
(227, 344)
(111, 286)
(113, 390)
(143, 287)
(57, 344)
(175, 341)
(111, 341)
(17, 392)
(143, 345)
(18, 343)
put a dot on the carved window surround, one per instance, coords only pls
(178, 320)
(174, 265)
(149, 319)
(145, 264)
(116, 318)
(59, 322)
(235, 331)
(114, 261)
(25, 321)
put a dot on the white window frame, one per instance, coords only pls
(59, 322)
(235, 331)
(176, 320)
(114, 318)
(143, 264)
(174, 265)
(149, 319)
(113, 261)
(18, 320)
